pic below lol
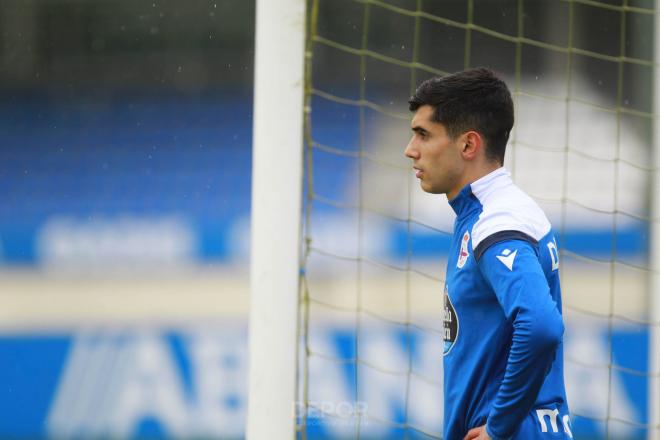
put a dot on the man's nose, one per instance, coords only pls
(410, 150)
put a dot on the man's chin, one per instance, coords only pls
(429, 188)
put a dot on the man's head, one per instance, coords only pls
(461, 126)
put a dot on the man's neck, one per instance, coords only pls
(472, 175)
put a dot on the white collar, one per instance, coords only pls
(495, 179)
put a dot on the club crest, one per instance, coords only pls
(463, 254)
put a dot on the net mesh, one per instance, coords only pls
(370, 361)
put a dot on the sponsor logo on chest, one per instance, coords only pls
(450, 324)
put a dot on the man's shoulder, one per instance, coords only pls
(509, 211)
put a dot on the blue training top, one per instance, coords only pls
(503, 350)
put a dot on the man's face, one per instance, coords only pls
(436, 157)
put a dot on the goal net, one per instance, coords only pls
(374, 245)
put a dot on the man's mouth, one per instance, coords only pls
(418, 172)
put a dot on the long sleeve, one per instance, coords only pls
(514, 273)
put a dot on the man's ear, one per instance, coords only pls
(472, 145)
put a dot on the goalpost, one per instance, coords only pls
(380, 293)
(654, 282)
(277, 174)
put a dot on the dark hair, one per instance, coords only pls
(474, 99)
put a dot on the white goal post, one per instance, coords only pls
(654, 284)
(277, 174)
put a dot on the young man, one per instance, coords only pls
(503, 356)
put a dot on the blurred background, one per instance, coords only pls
(125, 158)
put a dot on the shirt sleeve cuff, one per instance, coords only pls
(493, 436)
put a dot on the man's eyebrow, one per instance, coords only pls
(418, 129)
